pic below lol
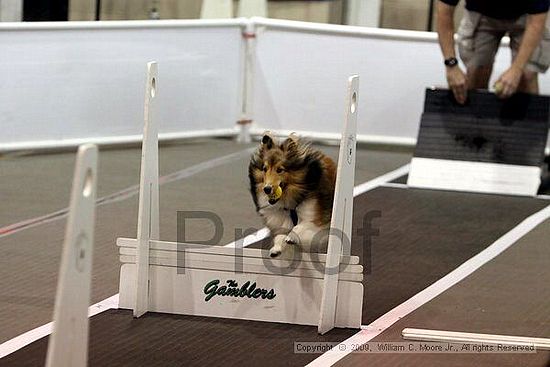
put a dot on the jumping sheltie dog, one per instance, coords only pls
(292, 185)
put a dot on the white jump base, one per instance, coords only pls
(295, 297)
(241, 283)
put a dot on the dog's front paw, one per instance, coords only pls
(292, 239)
(278, 246)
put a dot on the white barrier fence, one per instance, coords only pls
(300, 67)
(69, 83)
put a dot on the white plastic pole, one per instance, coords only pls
(216, 9)
(68, 345)
(148, 212)
(249, 35)
(11, 10)
(342, 211)
(460, 337)
(364, 13)
(252, 8)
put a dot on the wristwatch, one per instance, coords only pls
(451, 62)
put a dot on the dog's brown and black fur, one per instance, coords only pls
(306, 177)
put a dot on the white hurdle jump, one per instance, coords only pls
(242, 283)
(68, 345)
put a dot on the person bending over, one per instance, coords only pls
(483, 25)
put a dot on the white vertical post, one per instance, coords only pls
(252, 8)
(249, 35)
(148, 212)
(364, 13)
(11, 10)
(68, 345)
(216, 9)
(342, 211)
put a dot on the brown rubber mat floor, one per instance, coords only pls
(30, 258)
(507, 296)
(423, 236)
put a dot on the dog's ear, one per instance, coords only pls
(291, 143)
(267, 141)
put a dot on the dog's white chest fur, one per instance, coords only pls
(283, 230)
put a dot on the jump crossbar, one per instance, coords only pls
(235, 266)
(265, 261)
(230, 251)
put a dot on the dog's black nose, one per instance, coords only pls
(267, 189)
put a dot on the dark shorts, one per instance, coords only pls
(479, 39)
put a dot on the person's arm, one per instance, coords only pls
(445, 32)
(509, 81)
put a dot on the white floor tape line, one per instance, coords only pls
(31, 336)
(378, 326)
(381, 180)
(393, 185)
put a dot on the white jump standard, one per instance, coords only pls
(68, 344)
(242, 283)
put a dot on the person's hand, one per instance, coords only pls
(508, 82)
(457, 82)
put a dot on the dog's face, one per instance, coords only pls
(270, 168)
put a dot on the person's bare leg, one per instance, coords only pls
(529, 82)
(478, 77)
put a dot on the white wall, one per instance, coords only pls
(63, 83)
(301, 73)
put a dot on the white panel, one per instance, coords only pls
(302, 68)
(474, 176)
(64, 82)
(297, 300)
